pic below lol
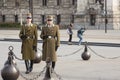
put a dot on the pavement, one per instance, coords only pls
(99, 36)
(104, 63)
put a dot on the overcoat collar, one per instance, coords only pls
(29, 25)
(49, 25)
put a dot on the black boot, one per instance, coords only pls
(27, 66)
(53, 66)
(31, 65)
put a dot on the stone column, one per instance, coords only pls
(116, 14)
(81, 5)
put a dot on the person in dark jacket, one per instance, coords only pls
(79, 34)
(70, 33)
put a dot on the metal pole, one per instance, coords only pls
(21, 20)
(31, 8)
(106, 21)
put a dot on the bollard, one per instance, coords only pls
(10, 55)
(37, 58)
(86, 55)
(10, 71)
(48, 70)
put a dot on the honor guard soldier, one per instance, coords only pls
(28, 35)
(51, 41)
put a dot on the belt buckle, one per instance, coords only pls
(49, 36)
(28, 37)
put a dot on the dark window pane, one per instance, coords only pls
(17, 3)
(58, 2)
(73, 2)
(72, 18)
(43, 19)
(16, 18)
(92, 20)
(3, 18)
(58, 19)
(44, 2)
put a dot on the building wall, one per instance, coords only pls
(116, 14)
(83, 14)
(76, 11)
(65, 9)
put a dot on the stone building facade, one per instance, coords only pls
(86, 13)
(95, 14)
(15, 10)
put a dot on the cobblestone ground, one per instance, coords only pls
(71, 67)
(104, 63)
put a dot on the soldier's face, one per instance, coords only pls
(49, 21)
(29, 19)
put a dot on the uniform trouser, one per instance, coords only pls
(53, 64)
(29, 65)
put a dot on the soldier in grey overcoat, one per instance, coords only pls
(28, 35)
(51, 41)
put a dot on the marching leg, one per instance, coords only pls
(27, 66)
(31, 65)
(53, 66)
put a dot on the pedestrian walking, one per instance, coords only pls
(51, 41)
(70, 33)
(28, 35)
(79, 34)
